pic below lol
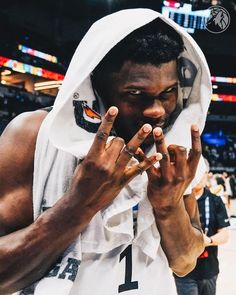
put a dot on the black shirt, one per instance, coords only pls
(207, 264)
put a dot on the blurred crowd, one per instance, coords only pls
(16, 100)
(221, 156)
(223, 185)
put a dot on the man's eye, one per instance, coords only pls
(172, 89)
(135, 92)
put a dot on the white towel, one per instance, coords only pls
(197, 90)
(112, 226)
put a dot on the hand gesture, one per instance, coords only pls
(168, 183)
(104, 171)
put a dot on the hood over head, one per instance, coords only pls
(76, 99)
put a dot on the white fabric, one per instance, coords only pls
(102, 36)
(152, 276)
(61, 142)
(110, 228)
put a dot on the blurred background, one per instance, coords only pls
(38, 39)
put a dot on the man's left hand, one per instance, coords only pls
(168, 183)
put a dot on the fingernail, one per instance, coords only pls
(138, 151)
(157, 131)
(158, 156)
(195, 127)
(182, 149)
(113, 111)
(147, 128)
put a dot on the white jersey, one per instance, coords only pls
(124, 270)
(119, 252)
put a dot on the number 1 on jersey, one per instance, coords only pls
(128, 284)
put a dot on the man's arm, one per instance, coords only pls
(191, 207)
(222, 224)
(22, 260)
(181, 241)
(95, 183)
(221, 237)
(17, 145)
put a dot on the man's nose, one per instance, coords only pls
(154, 110)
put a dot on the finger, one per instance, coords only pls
(180, 155)
(108, 144)
(113, 150)
(139, 155)
(162, 148)
(132, 146)
(171, 154)
(104, 130)
(141, 167)
(196, 150)
(152, 171)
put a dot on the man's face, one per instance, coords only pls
(143, 93)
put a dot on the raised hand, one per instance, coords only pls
(168, 183)
(104, 172)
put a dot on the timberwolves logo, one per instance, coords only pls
(218, 21)
(86, 117)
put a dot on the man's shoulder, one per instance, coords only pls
(17, 148)
(25, 126)
(17, 142)
(214, 199)
(210, 194)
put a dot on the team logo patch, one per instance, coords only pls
(187, 72)
(85, 117)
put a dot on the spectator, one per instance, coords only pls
(214, 222)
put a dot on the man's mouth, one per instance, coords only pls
(153, 124)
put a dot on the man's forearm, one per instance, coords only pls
(221, 237)
(181, 242)
(27, 254)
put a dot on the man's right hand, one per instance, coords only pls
(104, 171)
(95, 183)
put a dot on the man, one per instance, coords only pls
(80, 186)
(214, 220)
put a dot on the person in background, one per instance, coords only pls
(228, 190)
(232, 183)
(214, 221)
(210, 183)
(221, 191)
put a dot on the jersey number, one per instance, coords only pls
(128, 284)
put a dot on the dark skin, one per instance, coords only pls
(146, 93)
(143, 94)
(22, 260)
